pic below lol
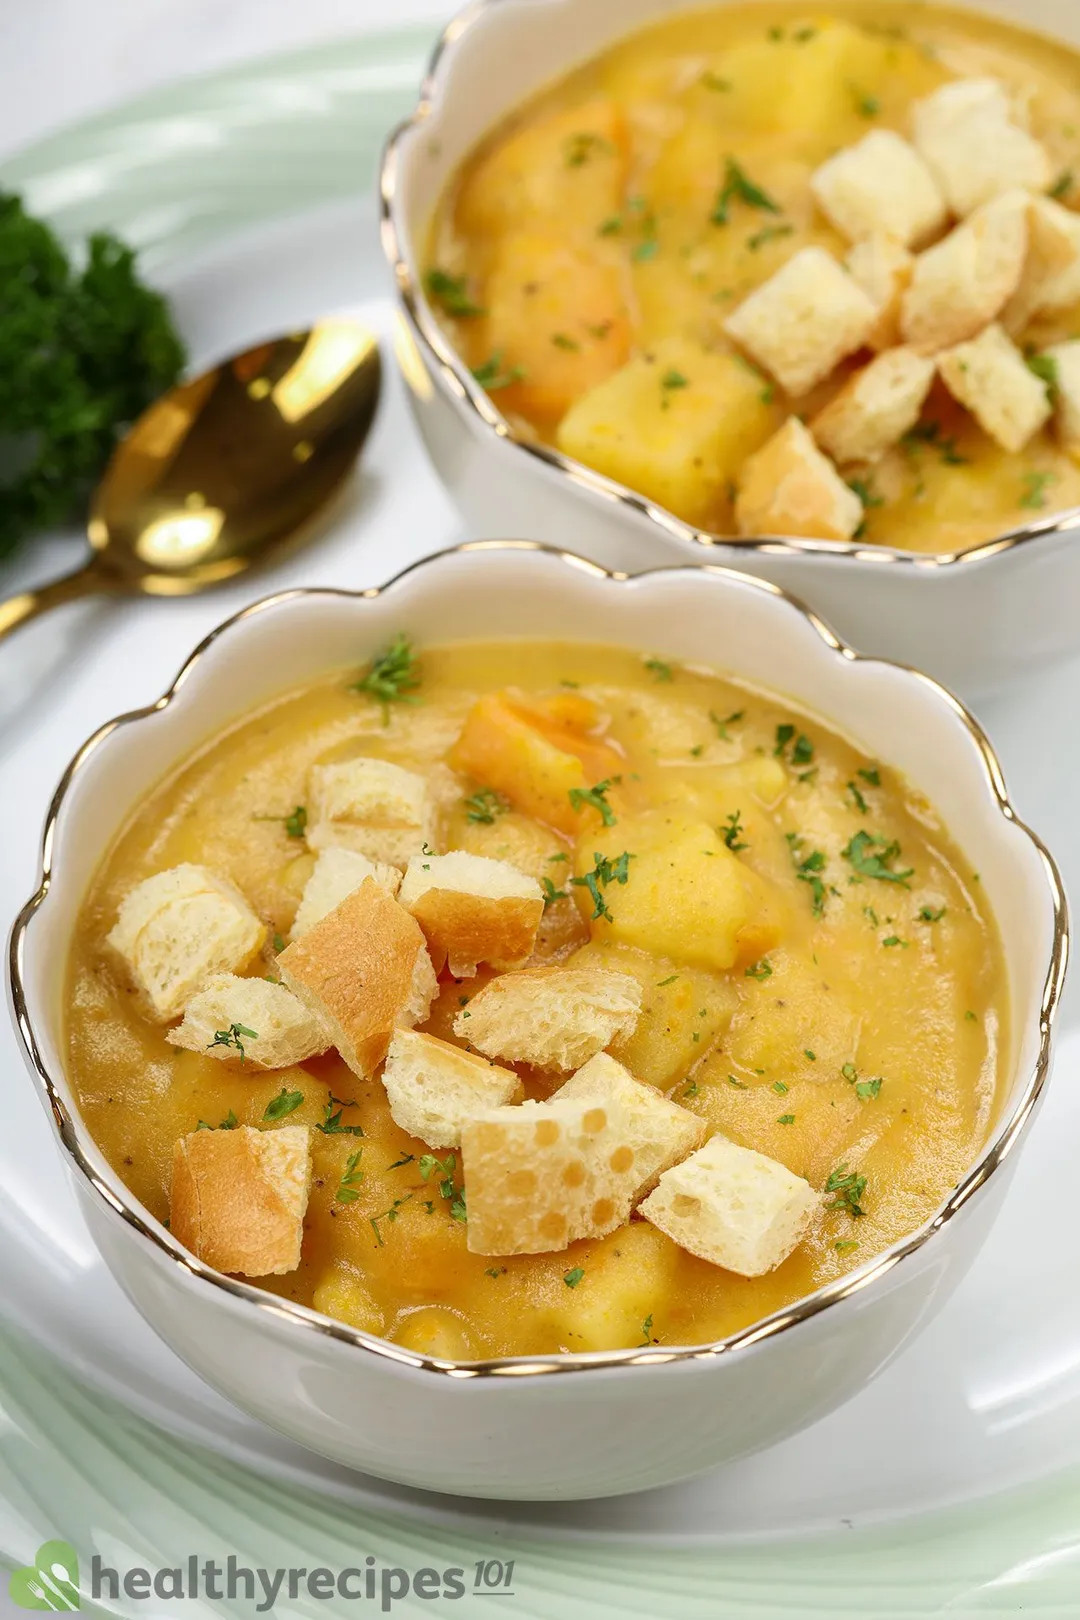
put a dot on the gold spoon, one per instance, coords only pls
(223, 472)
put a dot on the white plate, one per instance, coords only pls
(988, 1398)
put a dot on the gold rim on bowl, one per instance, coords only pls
(459, 382)
(80, 1148)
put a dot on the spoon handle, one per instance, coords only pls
(85, 581)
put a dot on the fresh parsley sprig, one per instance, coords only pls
(605, 871)
(596, 797)
(393, 675)
(234, 1036)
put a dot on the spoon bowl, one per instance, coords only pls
(224, 472)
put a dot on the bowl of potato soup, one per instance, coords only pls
(791, 289)
(592, 1020)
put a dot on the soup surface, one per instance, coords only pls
(856, 1040)
(588, 256)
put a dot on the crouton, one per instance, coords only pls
(790, 488)
(368, 805)
(363, 971)
(882, 267)
(337, 873)
(875, 408)
(660, 1132)
(880, 185)
(1066, 361)
(554, 1018)
(1051, 278)
(989, 377)
(542, 1175)
(177, 929)
(472, 910)
(804, 320)
(733, 1207)
(434, 1087)
(968, 137)
(239, 1198)
(964, 283)
(264, 1025)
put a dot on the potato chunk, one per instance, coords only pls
(680, 893)
(557, 320)
(567, 169)
(676, 424)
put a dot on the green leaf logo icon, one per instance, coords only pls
(50, 1582)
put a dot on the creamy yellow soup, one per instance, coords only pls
(633, 206)
(861, 1046)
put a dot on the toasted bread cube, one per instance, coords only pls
(434, 1087)
(969, 139)
(371, 806)
(179, 928)
(542, 1175)
(1051, 279)
(882, 267)
(660, 1132)
(733, 1207)
(880, 184)
(790, 488)
(554, 1018)
(472, 910)
(875, 407)
(239, 1198)
(989, 377)
(266, 1025)
(1066, 358)
(804, 320)
(557, 316)
(337, 873)
(961, 285)
(363, 971)
(686, 896)
(675, 423)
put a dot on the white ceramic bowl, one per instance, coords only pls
(558, 1426)
(976, 620)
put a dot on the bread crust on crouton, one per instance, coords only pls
(790, 488)
(554, 1018)
(961, 285)
(804, 320)
(337, 873)
(990, 377)
(473, 909)
(357, 971)
(239, 1197)
(875, 407)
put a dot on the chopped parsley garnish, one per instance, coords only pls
(848, 1189)
(493, 375)
(771, 233)
(894, 939)
(573, 1277)
(738, 187)
(865, 1089)
(562, 340)
(582, 146)
(842, 1245)
(785, 1119)
(429, 1165)
(1062, 185)
(722, 725)
(331, 1122)
(406, 1158)
(604, 871)
(860, 803)
(866, 105)
(657, 666)
(780, 1087)
(484, 805)
(645, 250)
(286, 1102)
(349, 1186)
(690, 1089)
(234, 1036)
(295, 823)
(929, 433)
(802, 751)
(738, 1084)
(611, 226)
(495, 1271)
(561, 856)
(392, 677)
(458, 1209)
(597, 798)
(713, 81)
(669, 980)
(927, 914)
(972, 1018)
(673, 379)
(870, 774)
(808, 869)
(760, 970)
(733, 831)
(870, 855)
(451, 293)
(229, 1123)
(1045, 367)
(1036, 485)
(389, 1215)
(808, 1054)
(646, 1329)
(551, 893)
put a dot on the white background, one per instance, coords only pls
(63, 59)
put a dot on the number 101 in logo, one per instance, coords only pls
(491, 1574)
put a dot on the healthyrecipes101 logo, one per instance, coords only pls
(50, 1582)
